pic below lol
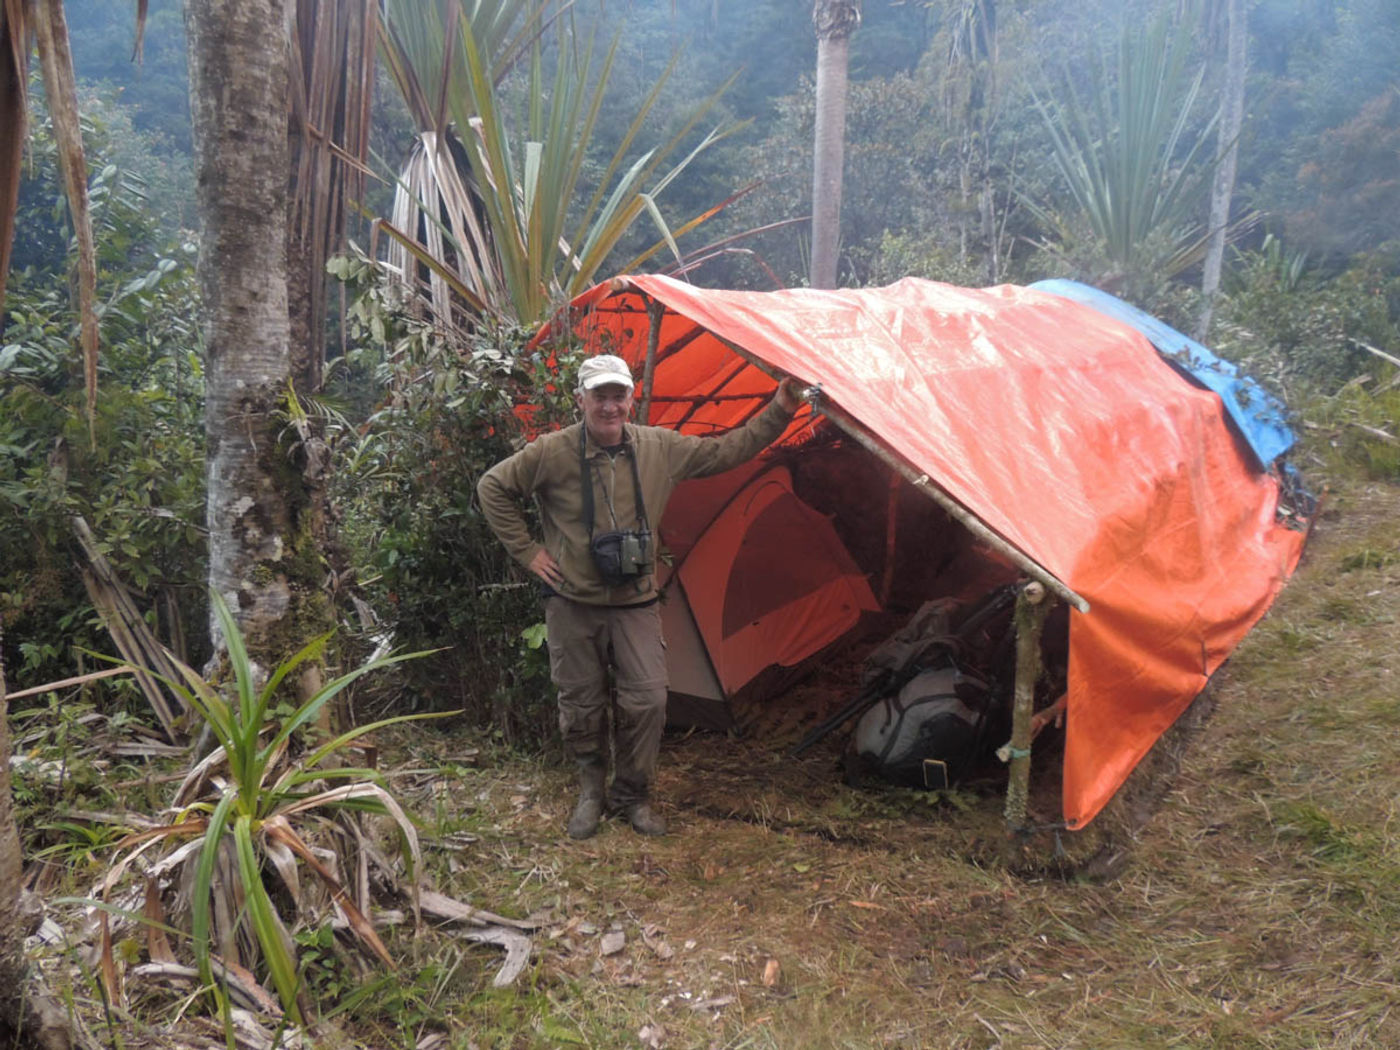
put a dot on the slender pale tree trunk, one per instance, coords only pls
(835, 21)
(1223, 188)
(28, 1017)
(260, 556)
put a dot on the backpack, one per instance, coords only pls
(925, 734)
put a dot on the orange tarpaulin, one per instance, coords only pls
(1058, 427)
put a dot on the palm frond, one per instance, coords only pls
(14, 76)
(61, 92)
(500, 222)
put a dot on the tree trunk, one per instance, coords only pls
(260, 557)
(28, 1017)
(835, 21)
(1223, 188)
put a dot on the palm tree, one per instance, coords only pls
(834, 21)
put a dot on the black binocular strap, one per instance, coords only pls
(586, 476)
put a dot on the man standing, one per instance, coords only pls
(599, 485)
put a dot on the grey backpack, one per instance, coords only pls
(924, 734)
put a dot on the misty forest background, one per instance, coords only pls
(957, 121)
(985, 141)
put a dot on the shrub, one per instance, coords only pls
(407, 480)
(139, 479)
(1301, 330)
(255, 810)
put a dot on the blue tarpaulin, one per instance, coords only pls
(1258, 415)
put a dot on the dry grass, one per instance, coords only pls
(1244, 891)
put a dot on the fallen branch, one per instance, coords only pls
(138, 646)
(1377, 432)
(66, 682)
(517, 947)
(441, 906)
(1379, 353)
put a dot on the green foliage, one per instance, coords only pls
(920, 254)
(103, 36)
(1301, 331)
(1350, 191)
(140, 486)
(407, 482)
(60, 744)
(893, 180)
(1360, 427)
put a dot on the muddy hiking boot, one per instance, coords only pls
(643, 820)
(583, 823)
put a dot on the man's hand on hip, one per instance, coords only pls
(546, 568)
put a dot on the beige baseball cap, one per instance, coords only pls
(602, 370)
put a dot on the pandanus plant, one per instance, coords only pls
(491, 210)
(263, 803)
(1135, 167)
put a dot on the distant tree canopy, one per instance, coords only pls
(1313, 154)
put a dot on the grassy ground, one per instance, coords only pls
(1244, 891)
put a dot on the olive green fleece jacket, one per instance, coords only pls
(547, 470)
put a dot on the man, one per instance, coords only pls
(596, 558)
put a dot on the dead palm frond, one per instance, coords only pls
(41, 24)
(332, 46)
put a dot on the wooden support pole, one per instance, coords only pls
(955, 510)
(891, 539)
(1031, 610)
(655, 311)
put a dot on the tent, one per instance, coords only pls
(759, 582)
(1049, 429)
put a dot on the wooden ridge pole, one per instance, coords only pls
(955, 510)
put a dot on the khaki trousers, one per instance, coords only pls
(586, 644)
